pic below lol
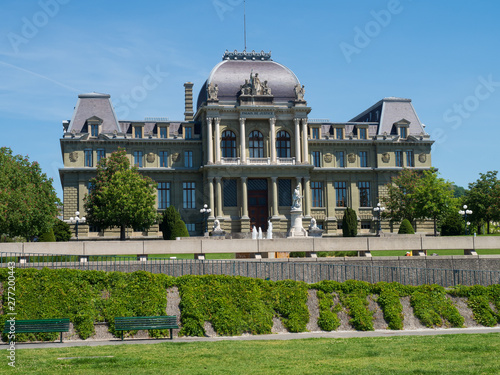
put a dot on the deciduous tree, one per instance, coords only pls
(483, 198)
(120, 196)
(28, 201)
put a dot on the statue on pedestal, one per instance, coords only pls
(299, 92)
(297, 199)
(213, 91)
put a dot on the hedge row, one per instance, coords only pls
(233, 305)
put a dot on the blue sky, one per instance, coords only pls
(349, 54)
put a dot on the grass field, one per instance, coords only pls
(445, 354)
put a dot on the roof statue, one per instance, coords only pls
(212, 91)
(299, 92)
(254, 86)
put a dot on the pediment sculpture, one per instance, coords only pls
(254, 86)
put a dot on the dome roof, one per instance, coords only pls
(232, 72)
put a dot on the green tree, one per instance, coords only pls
(349, 223)
(28, 201)
(452, 225)
(458, 191)
(172, 225)
(47, 236)
(406, 227)
(483, 198)
(120, 196)
(434, 197)
(62, 231)
(400, 201)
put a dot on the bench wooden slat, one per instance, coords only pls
(146, 322)
(38, 325)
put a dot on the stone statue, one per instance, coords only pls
(246, 88)
(297, 204)
(256, 85)
(217, 228)
(213, 91)
(266, 90)
(254, 233)
(299, 92)
(269, 230)
(313, 225)
(260, 233)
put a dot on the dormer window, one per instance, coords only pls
(315, 133)
(339, 133)
(188, 132)
(363, 133)
(403, 132)
(402, 128)
(163, 132)
(138, 132)
(94, 130)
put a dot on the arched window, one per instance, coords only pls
(256, 144)
(228, 144)
(283, 144)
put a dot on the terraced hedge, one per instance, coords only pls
(233, 305)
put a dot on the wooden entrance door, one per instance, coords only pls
(257, 204)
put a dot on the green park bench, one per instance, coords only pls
(146, 322)
(38, 325)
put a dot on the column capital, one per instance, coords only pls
(272, 120)
(274, 178)
(306, 178)
(244, 179)
(242, 120)
(296, 120)
(217, 120)
(209, 119)
(218, 179)
(304, 121)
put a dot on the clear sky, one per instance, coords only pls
(444, 55)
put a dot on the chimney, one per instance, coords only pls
(188, 105)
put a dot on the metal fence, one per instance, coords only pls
(309, 272)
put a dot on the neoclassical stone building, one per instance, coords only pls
(244, 149)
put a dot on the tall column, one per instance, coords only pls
(274, 194)
(305, 146)
(210, 152)
(272, 138)
(297, 140)
(218, 196)
(244, 198)
(211, 196)
(217, 140)
(307, 197)
(243, 151)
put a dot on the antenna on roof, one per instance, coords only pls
(245, 23)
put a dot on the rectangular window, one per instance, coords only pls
(188, 132)
(191, 227)
(285, 192)
(316, 156)
(403, 132)
(399, 158)
(163, 159)
(317, 193)
(230, 193)
(188, 159)
(138, 159)
(101, 154)
(315, 133)
(363, 159)
(339, 133)
(364, 194)
(138, 132)
(163, 132)
(340, 159)
(88, 158)
(94, 130)
(410, 160)
(362, 133)
(188, 195)
(366, 225)
(163, 195)
(341, 193)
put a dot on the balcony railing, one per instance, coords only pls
(258, 161)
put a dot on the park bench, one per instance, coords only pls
(146, 322)
(38, 325)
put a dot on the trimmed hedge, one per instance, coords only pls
(234, 305)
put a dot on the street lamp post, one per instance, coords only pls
(205, 211)
(464, 213)
(77, 220)
(378, 210)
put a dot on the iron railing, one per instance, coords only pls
(309, 272)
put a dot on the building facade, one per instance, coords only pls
(244, 149)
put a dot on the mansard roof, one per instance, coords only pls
(389, 111)
(94, 106)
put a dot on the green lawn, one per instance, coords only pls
(387, 253)
(445, 354)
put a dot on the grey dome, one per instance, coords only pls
(229, 75)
